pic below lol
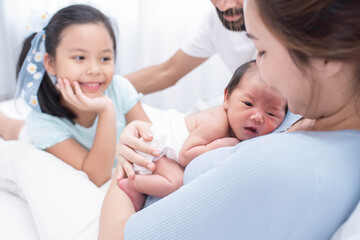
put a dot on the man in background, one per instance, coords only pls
(221, 32)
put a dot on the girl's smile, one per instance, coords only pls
(87, 60)
(90, 85)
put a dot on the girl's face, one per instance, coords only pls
(85, 54)
(254, 108)
(275, 64)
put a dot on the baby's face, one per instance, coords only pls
(254, 108)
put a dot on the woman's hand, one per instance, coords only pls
(130, 141)
(77, 98)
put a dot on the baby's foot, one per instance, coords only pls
(138, 199)
(4, 128)
(10, 127)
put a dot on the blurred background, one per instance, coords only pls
(149, 32)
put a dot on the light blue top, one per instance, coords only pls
(45, 130)
(300, 185)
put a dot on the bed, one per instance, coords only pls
(16, 220)
(15, 213)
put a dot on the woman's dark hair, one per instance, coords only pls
(48, 95)
(238, 75)
(328, 29)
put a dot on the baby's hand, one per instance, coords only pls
(77, 98)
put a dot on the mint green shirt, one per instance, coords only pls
(45, 130)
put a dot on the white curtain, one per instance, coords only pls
(149, 32)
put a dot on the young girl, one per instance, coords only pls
(80, 107)
(251, 108)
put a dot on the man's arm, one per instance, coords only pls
(164, 75)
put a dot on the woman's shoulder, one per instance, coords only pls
(309, 137)
(307, 143)
(326, 138)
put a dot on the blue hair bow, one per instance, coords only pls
(32, 72)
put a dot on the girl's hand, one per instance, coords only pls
(77, 98)
(130, 141)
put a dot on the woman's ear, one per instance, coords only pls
(226, 99)
(329, 68)
(49, 64)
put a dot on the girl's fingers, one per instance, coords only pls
(61, 87)
(73, 94)
(69, 93)
(77, 88)
(79, 94)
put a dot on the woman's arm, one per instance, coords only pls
(264, 188)
(116, 210)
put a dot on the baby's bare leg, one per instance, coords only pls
(10, 127)
(167, 177)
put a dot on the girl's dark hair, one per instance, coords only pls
(238, 75)
(48, 95)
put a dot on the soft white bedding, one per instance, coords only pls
(16, 220)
